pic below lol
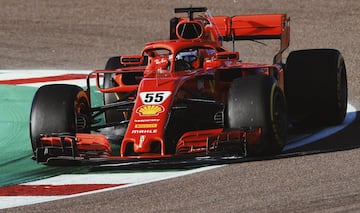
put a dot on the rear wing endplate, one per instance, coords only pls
(256, 27)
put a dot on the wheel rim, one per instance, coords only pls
(279, 117)
(342, 89)
(82, 115)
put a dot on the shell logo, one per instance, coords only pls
(150, 110)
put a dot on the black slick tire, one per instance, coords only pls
(316, 87)
(258, 101)
(59, 108)
(111, 115)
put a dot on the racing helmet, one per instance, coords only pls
(190, 57)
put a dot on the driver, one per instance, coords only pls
(186, 60)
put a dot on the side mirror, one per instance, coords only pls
(132, 60)
(227, 56)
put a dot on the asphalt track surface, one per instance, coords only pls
(320, 177)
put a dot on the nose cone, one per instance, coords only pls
(147, 125)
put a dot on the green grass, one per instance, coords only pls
(16, 165)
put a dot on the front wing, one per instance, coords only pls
(95, 148)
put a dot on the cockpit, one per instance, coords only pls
(163, 60)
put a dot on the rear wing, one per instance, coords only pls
(255, 27)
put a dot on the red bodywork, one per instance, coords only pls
(162, 85)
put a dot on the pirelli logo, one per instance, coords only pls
(144, 126)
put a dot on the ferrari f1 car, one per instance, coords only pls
(189, 96)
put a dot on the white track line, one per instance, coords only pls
(38, 73)
(130, 179)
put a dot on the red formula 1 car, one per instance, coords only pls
(189, 96)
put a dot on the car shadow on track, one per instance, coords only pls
(345, 139)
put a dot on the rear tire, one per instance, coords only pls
(111, 115)
(258, 101)
(59, 108)
(316, 87)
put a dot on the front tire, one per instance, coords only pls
(59, 108)
(258, 101)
